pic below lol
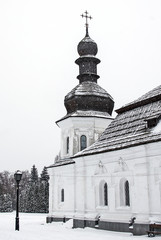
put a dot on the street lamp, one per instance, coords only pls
(17, 177)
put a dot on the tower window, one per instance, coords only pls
(83, 142)
(67, 144)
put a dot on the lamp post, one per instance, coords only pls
(17, 176)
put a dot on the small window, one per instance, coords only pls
(67, 144)
(152, 122)
(127, 195)
(124, 192)
(105, 195)
(83, 142)
(62, 195)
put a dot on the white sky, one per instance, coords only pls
(38, 47)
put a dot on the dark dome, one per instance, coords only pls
(87, 47)
(89, 96)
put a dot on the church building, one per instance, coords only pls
(108, 174)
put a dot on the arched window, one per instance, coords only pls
(103, 193)
(124, 193)
(127, 195)
(62, 195)
(67, 144)
(83, 142)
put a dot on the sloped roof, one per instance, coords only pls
(87, 96)
(61, 162)
(88, 88)
(129, 128)
(152, 96)
(96, 114)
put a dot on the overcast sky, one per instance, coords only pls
(38, 47)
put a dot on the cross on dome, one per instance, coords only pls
(86, 24)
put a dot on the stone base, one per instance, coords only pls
(79, 223)
(56, 219)
(138, 229)
(114, 226)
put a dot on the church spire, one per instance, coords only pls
(86, 24)
(88, 95)
(87, 49)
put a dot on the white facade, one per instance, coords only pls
(64, 177)
(72, 128)
(82, 182)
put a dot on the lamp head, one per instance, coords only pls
(18, 175)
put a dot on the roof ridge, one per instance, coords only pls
(151, 96)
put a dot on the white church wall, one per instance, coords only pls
(51, 190)
(130, 164)
(153, 152)
(62, 178)
(80, 189)
(75, 127)
(140, 166)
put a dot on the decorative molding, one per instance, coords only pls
(100, 169)
(121, 166)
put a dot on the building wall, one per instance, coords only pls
(140, 166)
(62, 178)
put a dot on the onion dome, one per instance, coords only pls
(88, 95)
(87, 47)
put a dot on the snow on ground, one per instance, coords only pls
(34, 227)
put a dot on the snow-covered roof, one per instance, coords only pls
(152, 95)
(91, 113)
(88, 88)
(87, 96)
(61, 162)
(130, 127)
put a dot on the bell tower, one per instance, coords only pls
(89, 107)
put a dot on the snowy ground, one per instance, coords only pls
(34, 227)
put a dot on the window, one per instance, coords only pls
(124, 193)
(67, 144)
(127, 196)
(83, 142)
(103, 193)
(152, 122)
(62, 195)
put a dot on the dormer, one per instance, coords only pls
(152, 121)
